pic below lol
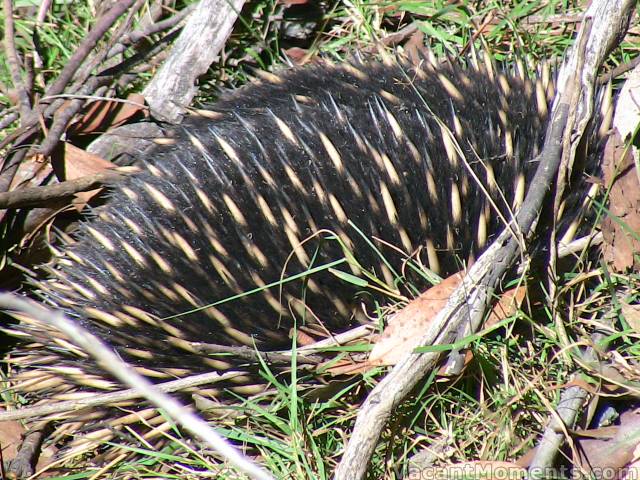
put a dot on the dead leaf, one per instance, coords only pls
(406, 327)
(303, 339)
(631, 315)
(79, 163)
(31, 172)
(10, 438)
(73, 162)
(624, 206)
(299, 56)
(602, 456)
(415, 47)
(347, 367)
(507, 305)
(620, 173)
(103, 115)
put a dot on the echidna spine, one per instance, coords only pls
(403, 166)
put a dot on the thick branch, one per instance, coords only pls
(36, 196)
(200, 42)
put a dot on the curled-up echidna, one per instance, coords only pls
(249, 220)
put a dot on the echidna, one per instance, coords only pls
(366, 169)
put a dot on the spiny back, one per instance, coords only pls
(285, 175)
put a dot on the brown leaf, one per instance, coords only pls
(10, 438)
(103, 115)
(347, 367)
(73, 162)
(406, 327)
(631, 315)
(624, 204)
(415, 47)
(303, 339)
(298, 56)
(76, 162)
(31, 172)
(602, 456)
(507, 305)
